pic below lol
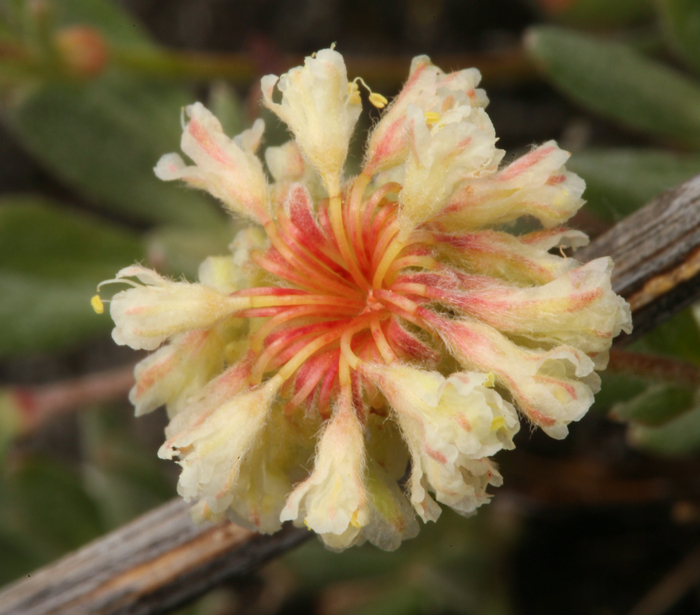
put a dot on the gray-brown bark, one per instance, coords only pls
(163, 560)
(152, 565)
(657, 256)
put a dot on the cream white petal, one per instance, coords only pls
(551, 387)
(319, 107)
(461, 144)
(333, 500)
(536, 185)
(146, 315)
(211, 453)
(227, 168)
(275, 462)
(579, 308)
(175, 371)
(448, 423)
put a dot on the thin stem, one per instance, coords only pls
(306, 300)
(355, 217)
(37, 405)
(360, 323)
(425, 262)
(293, 260)
(383, 267)
(654, 367)
(288, 338)
(335, 209)
(380, 341)
(257, 339)
(291, 366)
(317, 371)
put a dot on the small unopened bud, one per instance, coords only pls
(83, 51)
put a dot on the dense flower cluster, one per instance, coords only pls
(363, 326)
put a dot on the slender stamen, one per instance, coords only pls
(256, 340)
(289, 337)
(360, 323)
(394, 249)
(323, 251)
(316, 371)
(376, 198)
(266, 291)
(305, 300)
(291, 258)
(344, 377)
(376, 229)
(315, 283)
(425, 262)
(391, 253)
(293, 364)
(385, 238)
(412, 288)
(335, 209)
(380, 341)
(355, 217)
(326, 390)
(399, 305)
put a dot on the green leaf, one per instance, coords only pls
(659, 404)
(18, 557)
(681, 23)
(678, 437)
(619, 83)
(50, 263)
(228, 108)
(124, 476)
(178, 251)
(620, 181)
(45, 502)
(679, 336)
(104, 137)
(617, 388)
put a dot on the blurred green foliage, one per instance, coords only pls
(620, 83)
(50, 258)
(100, 134)
(680, 20)
(600, 14)
(661, 103)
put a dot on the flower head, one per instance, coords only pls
(368, 324)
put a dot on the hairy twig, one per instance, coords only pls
(654, 367)
(34, 405)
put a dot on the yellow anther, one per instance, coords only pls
(378, 100)
(97, 304)
(353, 521)
(354, 93)
(497, 423)
(490, 381)
(313, 55)
(375, 99)
(432, 117)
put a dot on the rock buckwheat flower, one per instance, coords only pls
(366, 325)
